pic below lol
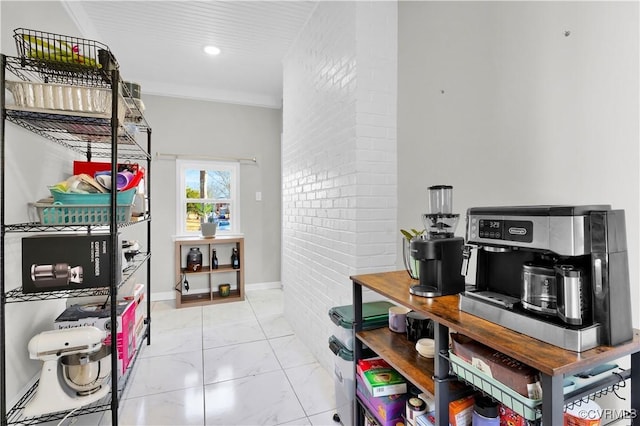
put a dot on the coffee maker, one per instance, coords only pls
(556, 273)
(438, 252)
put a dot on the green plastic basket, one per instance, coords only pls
(527, 408)
(124, 197)
(79, 214)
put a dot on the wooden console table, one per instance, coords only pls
(552, 362)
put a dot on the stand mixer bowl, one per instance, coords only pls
(86, 372)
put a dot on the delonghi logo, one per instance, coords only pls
(517, 231)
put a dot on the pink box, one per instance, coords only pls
(96, 315)
(388, 410)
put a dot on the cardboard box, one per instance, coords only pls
(67, 262)
(137, 297)
(380, 378)
(388, 410)
(461, 411)
(98, 316)
(585, 414)
(512, 373)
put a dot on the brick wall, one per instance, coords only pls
(339, 176)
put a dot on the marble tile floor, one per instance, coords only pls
(228, 364)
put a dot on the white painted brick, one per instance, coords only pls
(339, 179)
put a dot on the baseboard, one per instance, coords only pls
(163, 295)
(262, 286)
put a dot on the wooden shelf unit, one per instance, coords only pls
(553, 362)
(186, 298)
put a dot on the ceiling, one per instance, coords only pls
(159, 44)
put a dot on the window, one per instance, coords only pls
(208, 191)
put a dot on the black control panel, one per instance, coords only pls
(506, 230)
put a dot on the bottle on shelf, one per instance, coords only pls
(214, 260)
(235, 259)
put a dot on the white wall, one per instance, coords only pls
(338, 161)
(494, 99)
(191, 127)
(497, 101)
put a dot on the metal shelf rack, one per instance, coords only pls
(110, 135)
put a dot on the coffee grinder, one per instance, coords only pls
(438, 252)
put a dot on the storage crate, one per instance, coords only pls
(123, 197)
(81, 214)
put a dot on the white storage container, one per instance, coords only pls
(344, 381)
(63, 97)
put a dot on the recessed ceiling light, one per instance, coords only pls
(212, 50)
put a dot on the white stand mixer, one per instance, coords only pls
(53, 393)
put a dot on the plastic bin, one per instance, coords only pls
(375, 315)
(344, 381)
(79, 214)
(123, 197)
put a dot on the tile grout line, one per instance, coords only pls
(204, 395)
(284, 371)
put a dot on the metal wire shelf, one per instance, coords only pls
(607, 385)
(76, 132)
(17, 295)
(16, 414)
(532, 409)
(39, 227)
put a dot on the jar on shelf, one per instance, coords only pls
(194, 260)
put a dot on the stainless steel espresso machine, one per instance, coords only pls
(556, 273)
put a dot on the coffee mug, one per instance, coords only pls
(418, 327)
(398, 318)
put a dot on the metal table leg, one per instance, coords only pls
(552, 399)
(441, 371)
(358, 418)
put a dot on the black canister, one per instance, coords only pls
(418, 327)
(194, 259)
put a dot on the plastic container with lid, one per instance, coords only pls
(485, 412)
(415, 407)
(374, 315)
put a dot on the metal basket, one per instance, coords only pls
(530, 409)
(62, 55)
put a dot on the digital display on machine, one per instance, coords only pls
(493, 229)
(508, 230)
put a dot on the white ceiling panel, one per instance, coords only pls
(159, 44)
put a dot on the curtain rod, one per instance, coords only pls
(169, 156)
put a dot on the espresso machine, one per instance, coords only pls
(438, 252)
(557, 273)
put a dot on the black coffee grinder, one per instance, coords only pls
(438, 252)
